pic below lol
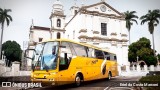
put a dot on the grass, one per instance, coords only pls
(151, 80)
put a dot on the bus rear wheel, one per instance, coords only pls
(78, 80)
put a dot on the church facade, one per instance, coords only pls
(98, 24)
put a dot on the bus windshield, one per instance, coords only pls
(36, 56)
(46, 54)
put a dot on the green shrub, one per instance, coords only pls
(155, 78)
(151, 79)
(150, 60)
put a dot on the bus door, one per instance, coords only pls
(114, 64)
(111, 62)
(65, 75)
(103, 70)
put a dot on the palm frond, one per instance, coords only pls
(4, 16)
(151, 16)
(8, 21)
(155, 25)
(129, 17)
(144, 21)
(8, 10)
(157, 21)
(134, 16)
(134, 21)
(1, 9)
(10, 18)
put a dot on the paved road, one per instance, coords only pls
(113, 84)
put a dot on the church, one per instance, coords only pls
(98, 24)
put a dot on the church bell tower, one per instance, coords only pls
(57, 19)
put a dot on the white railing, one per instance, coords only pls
(137, 70)
(14, 70)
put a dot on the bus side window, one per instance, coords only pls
(86, 49)
(72, 49)
(91, 52)
(80, 50)
(107, 55)
(65, 55)
(99, 54)
(115, 58)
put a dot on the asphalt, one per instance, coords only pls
(103, 84)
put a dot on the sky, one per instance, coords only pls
(23, 11)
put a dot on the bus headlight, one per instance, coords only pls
(51, 79)
(32, 74)
(53, 73)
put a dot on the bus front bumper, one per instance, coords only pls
(44, 82)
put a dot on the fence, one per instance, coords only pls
(137, 70)
(14, 70)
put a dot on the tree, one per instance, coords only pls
(4, 17)
(12, 51)
(152, 17)
(130, 17)
(142, 49)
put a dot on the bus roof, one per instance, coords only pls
(84, 44)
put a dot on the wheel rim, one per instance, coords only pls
(78, 81)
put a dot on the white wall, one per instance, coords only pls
(54, 34)
(97, 8)
(40, 34)
(14, 70)
(90, 22)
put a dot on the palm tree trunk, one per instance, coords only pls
(129, 37)
(153, 44)
(1, 40)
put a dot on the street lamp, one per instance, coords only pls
(157, 60)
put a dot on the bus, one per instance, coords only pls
(63, 61)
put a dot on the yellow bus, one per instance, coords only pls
(63, 61)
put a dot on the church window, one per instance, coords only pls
(40, 39)
(75, 12)
(104, 29)
(58, 23)
(58, 35)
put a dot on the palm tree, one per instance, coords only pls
(4, 17)
(130, 17)
(152, 17)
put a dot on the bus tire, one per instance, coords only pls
(78, 80)
(109, 75)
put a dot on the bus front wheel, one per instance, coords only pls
(78, 80)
